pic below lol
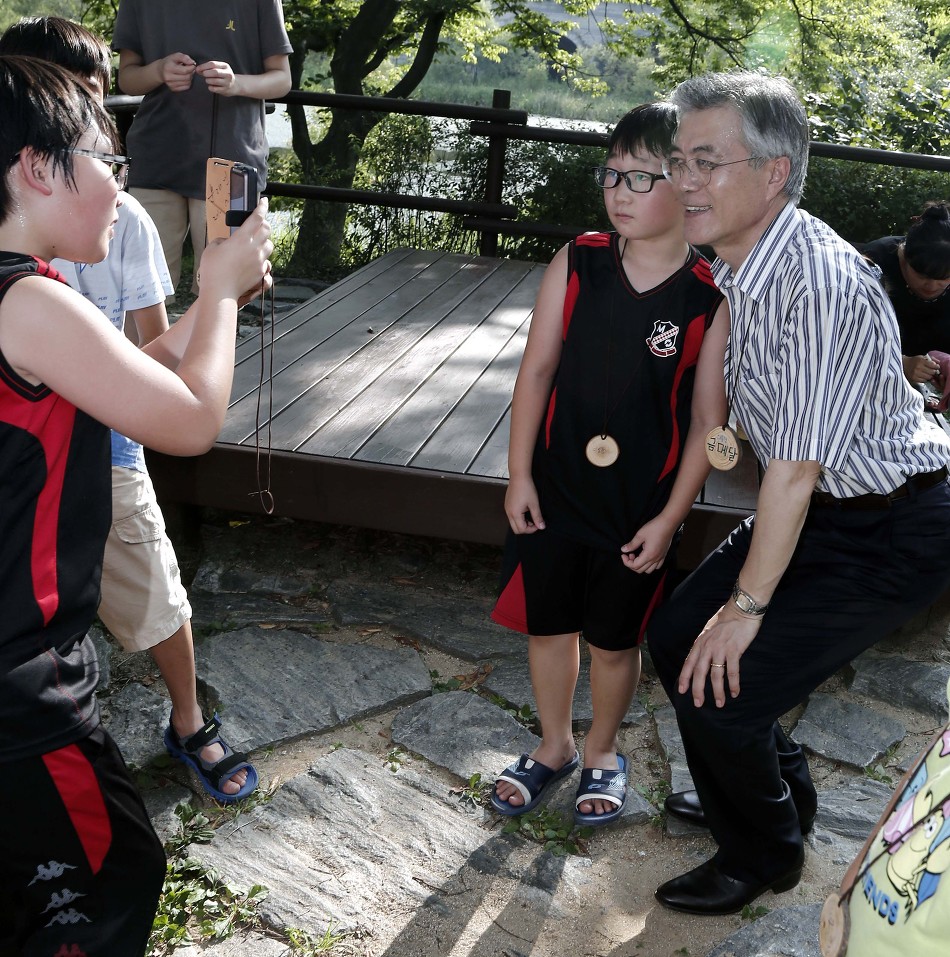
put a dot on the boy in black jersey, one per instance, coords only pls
(82, 865)
(620, 381)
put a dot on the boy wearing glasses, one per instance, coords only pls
(82, 866)
(143, 604)
(620, 381)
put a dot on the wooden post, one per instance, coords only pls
(495, 174)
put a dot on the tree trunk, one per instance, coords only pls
(331, 162)
(358, 51)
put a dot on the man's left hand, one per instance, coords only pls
(219, 76)
(716, 653)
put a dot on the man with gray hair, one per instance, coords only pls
(849, 537)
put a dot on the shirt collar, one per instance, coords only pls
(756, 273)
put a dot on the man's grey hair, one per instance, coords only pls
(773, 117)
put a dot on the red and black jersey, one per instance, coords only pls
(55, 511)
(627, 367)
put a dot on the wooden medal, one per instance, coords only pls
(602, 450)
(834, 926)
(722, 448)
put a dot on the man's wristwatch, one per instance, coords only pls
(746, 603)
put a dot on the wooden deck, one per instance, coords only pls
(391, 400)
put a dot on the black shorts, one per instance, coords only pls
(82, 866)
(552, 585)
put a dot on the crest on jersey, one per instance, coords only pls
(662, 341)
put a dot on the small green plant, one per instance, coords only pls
(395, 758)
(656, 794)
(449, 684)
(877, 772)
(212, 628)
(682, 950)
(750, 912)
(523, 715)
(309, 945)
(552, 829)
(193, 901)
(475, 792)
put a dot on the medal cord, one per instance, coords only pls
(608, 412)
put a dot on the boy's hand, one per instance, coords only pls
(177, 71)
(647, 549)
(522, 508)
(234, 267)
(219, 76)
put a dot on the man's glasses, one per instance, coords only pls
(637, 180)
(701, 170)
(118, 164)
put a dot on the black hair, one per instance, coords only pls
(43, 107)
(63, 42)
(648, 127)
(927, 243)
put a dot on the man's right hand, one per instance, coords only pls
(177, 71)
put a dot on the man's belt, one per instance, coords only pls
(916, 483)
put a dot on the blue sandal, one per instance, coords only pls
(213, 774)
(598, 785)
(531, 779)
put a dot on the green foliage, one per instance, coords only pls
(330, 941)
(523, 714)
(877, 773)
(864, 201)
(874, 74)
(13, 10)
(449, 684)
(475, 792)
(400, 156)
(193, 902)
(552, 829)
(657, 794)
(753, 912)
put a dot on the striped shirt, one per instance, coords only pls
(813, 368)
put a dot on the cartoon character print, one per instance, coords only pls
(917, 837)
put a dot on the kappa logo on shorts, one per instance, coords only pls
(51, 871)
(58, 901)
(662, 341)
(71, 916)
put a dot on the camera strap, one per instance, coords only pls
(263, 470)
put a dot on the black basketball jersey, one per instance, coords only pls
(55, 511)
(627, 368)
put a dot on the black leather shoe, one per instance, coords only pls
(685, 805)
(706, 890)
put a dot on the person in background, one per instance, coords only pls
(82, 866)
(916, 270)
(143, 604)
(620, 381)
(205, 70)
